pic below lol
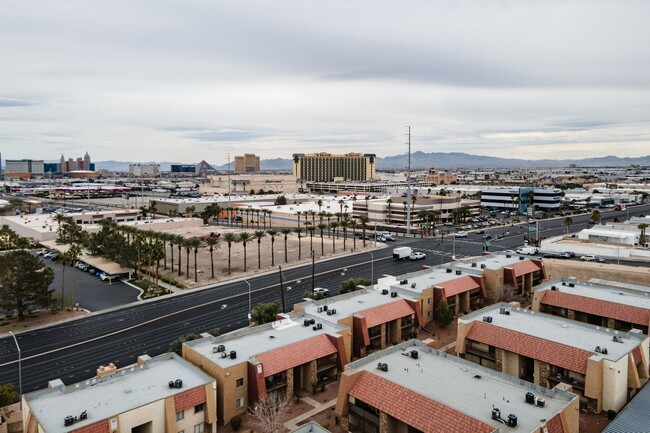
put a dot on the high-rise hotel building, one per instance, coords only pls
(326, 167)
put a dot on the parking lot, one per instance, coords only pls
(90, 292)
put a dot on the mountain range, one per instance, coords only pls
(422, 160)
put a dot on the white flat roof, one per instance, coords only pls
(603, 292)
(559, 330)
(347, 304)
(425, 279)
(249, 342)
(629, 286)
(465, 386)
(131, 387)
(493, 261)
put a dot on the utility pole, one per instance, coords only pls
(313, 269)
(229, 202)
(408, 183)
(284, 310)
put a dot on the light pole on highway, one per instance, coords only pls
(250, 317)
(372, 266)
(20, 370)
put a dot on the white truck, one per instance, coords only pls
(402, 253)
(528, 250)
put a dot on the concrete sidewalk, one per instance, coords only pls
(292, 424)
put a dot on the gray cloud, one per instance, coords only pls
(13, 102)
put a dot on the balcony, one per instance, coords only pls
(576, 383)
(481, 353)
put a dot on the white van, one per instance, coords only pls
(531, 251)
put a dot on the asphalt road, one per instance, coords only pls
(72, 351)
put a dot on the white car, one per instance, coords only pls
(592, 258)
(321, 291)
(461, 235)
(417, 255)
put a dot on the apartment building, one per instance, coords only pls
(327, 167)
(611, 307)
(247, 163)
(414, 388)
(603, 366)
(288, 356)
(161, 394)
(377, 318)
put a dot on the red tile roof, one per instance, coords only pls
(458, 285)
(555, 425)
(189, 398)
(554, 353)
(610, 309)
(386, 313)
(292, 355)
(412, 408)
(523, 267)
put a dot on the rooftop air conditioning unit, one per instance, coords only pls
(521, 257)
(233, 354)
(603, 351)
(540, 402)
(473, 265)
(530, 398)
(571, 285)
(449, 270)
(305, 322)
(382, 366)
(224, 355)
(508, 256)
(393, 294)
(458, 272)
(482, 265)
(324, 307)
(215, 349)
(404, 282)
(319, 309)
(333, 311)
(597, 349)
(68, 421)
(329, 312)
(178, 383)
(563, 283)
(414, 354)
(384, 291)
(171, 384)
(312, 321)
(512, 420)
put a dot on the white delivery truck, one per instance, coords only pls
(528, 250)
(402, 253)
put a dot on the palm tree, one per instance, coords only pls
(286, 231)
(213, 243)
(567, 222)
(229, 238)
(179, 240)
(269, 212)
(298, 215)
(259, 234)
(333, 226)
(353, 225)
(60, 218)
(244, 238)
(364, 220)
(642, 227)
(73, 252)
(273, 234)
(64, 259)
(422, 216)
(341, 203)
(311, 230)
(320, 205)
(153, 208)
(322, 228)
(195, 244)
(188, 244)
(595, 216)
(172, 240)
(344, 225)
(299, 231)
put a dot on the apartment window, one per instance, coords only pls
(199, 428)
(239, 402)
(240, 382)
(180, 415)
(198, 408)
(429, 314)
(429, 301)
(181, 431)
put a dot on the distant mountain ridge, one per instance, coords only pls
(422, 160)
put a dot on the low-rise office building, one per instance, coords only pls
(377, 318)
(414, 388)
(161, 394)
(604, 367)
(288, 356)
(598, 304)
(520, 199)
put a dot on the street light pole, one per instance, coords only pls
(372, 266)
(313, 273)
(20, 370)
(250, 316)
(282, 290)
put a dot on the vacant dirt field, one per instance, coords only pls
(297, 252)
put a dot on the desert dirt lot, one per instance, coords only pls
(297, 252)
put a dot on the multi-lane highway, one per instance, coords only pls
(72, 351)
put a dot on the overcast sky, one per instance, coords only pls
(195, 79)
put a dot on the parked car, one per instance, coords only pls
(561, 256)
(41, 252)
(461, 234)
(569, 253)
(487, 236)
(91, 270)
(498, 236)
(55, 257)
(592, 258)
(531, 251)
(48, 254)
(321, 291)
(104, 276)
(417, 255)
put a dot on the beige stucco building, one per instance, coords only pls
(605, 367)
(161, 394)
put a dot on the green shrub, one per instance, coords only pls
(235, 422)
